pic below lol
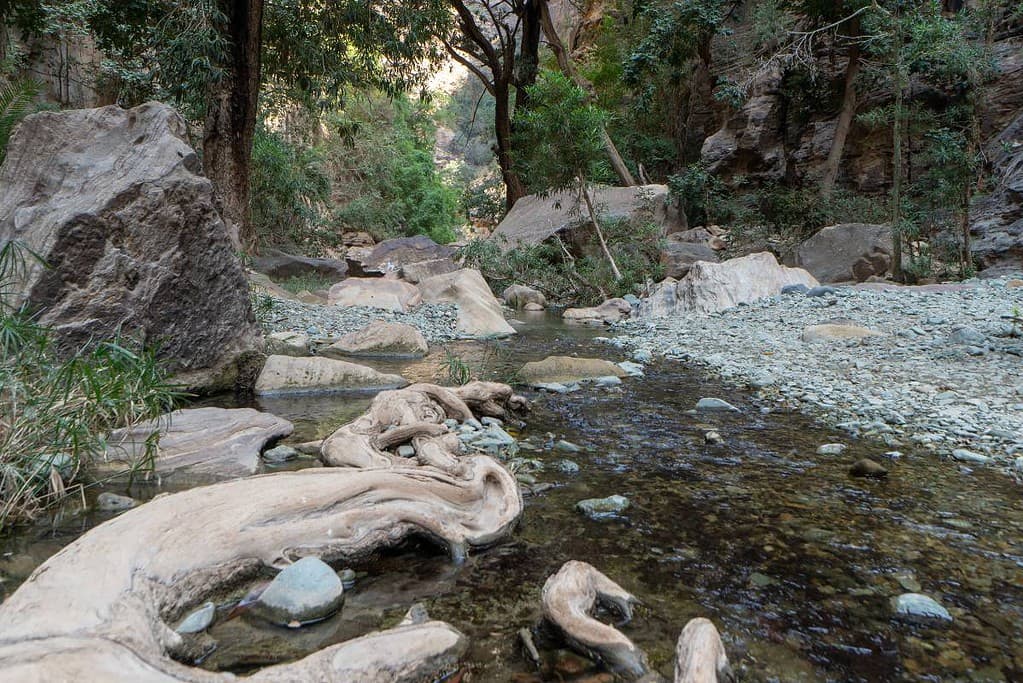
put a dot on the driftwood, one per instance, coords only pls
(569, 597)
(415, 415)
(99, 609)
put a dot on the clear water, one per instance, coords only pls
(792, 559)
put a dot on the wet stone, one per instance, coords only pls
(566, 447)
(598, 508)
(112, 502)
(199, 620)
(917, 607)
(831, 449)
(868, 468)
(715, 404)
(280, 454)
(303, 592)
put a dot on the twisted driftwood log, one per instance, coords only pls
(99, 608)
(571, 594)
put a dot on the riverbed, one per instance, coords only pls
(794, 561)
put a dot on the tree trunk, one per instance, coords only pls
(231, 118)
(565, 64)
(596, 227)
(897, 180)
(845, 118)
(502, 128)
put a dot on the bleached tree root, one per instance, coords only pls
(569, 597)
(99, 608)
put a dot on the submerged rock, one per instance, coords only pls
(307, 591)
(280, 454)
(283, 374)
(597, 508)
(565, 369)
(918, 607)
(868, 468)
(111, 502)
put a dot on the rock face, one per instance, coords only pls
(283, 374)
(996, 221)
(216, 442)
(611, 311)
(380, 339)
(280, 266)
(113, 200)
(533, 219)
(678, 257)
(306, 591)
(520, 296)
(375, 292)
(561, 369)
(845, 252)
(713, 287)
(479, 311)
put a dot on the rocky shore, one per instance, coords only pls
(939, 367)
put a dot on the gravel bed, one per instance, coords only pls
(946, 374)
(435, 321)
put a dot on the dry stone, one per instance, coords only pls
(114, 201)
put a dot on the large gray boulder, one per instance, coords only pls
(114, 201)
(375, 292)
(392, 256)
(380, 339)
(209, 442)
(845, 252)
(479, 311)
(677, 257)
(281, 266)
(535, 218)
(713, 287)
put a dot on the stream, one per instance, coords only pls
(794, 561)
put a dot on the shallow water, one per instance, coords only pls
(793, 560)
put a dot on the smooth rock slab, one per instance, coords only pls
(282, 374)
(919, 607)
(306, 591)
(479, 311)
(566, 369)
(220, 442)
(380, 339)
(598, 508)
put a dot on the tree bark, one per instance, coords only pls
(514, 188)
(845, 117)
(596, 227)
(231, 118)
(567, 68)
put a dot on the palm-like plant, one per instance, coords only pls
(17, 100)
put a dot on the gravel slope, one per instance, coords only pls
(947, 373)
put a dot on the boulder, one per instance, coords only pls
(421, 270)
(285, 374)
(832, 332)
(678, 257)
(281, 266)
(218, 442)
(375, 292)
(520, 296)
(479, 311)
(114, 201)
(306, 591)
(380, 339)
(391, 256)
(288, 343)
(535, 218)
(713, 287)
(845, 252)
(565, 369)
(611, 311)
(598, 508)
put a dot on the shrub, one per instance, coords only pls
(56, 409)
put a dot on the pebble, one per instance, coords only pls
(918, 607)
(306, 591)
(406, 451)
(715, 404)
(712, 437)
(964, 455)
(868, 468)
(631, 369)
(347, 577)
(609, 381)
(642, 356)
(566, 447)
(831, 449)
(566, 466)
